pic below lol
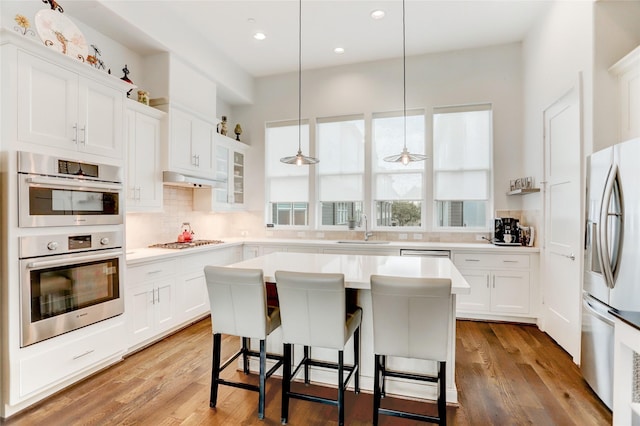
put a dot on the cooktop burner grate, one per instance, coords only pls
(190, 244)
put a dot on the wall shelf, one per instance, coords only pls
(523, 191)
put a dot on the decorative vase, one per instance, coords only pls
(223, 126)
(238, 131)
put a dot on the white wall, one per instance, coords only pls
(491, 74)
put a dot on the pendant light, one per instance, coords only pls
(405, 157)
(299, 159)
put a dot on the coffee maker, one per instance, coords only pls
(506, 231)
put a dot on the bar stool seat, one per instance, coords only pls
(411, 319)
(239, 307)
(313, 309)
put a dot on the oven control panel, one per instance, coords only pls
(34, 246)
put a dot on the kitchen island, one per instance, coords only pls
(357, 270)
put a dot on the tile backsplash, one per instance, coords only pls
(144, 229)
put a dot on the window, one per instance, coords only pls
(398, 189)
(462, 145)
(340, 144)
(287, 185)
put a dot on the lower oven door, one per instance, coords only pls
(63, 293)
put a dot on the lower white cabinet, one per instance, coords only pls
(151, 300)
(502, 285)
(165, 294)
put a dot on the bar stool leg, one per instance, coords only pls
(245, 357)
(286, 382)
(262, 379)
(340, 388)
(376, 389)
(356, 360)
(215, 370)
(383, 366)
(307, 355)
(442, 397)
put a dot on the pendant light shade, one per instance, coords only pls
(405, 157)
(299, 159)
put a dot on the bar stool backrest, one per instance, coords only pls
(411, 317)
(238, 301)
(312, 309)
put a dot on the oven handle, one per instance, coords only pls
(62, 262)
(75, 184)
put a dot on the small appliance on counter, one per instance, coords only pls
(506, 232)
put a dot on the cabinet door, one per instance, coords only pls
(510, 292)
(180, 155)
(479, 300)
(221, 155)
(145, 181)
(202, 147)
(141, 315)
(194, 299)
(630, 103)
(47, 103)
(100, 122)
(165, 304)
(238, 178)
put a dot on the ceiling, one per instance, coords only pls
(228, 26)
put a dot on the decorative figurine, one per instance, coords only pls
(23, 25)
(238, 131)
(143, 97)
(223, 126)
(54, 5)
(126, 71)
(94, 60)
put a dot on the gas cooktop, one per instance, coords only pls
(190, 244)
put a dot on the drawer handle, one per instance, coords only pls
(472, 260)
(157, 271)
(84, 354)
(510, 261)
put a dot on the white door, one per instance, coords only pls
(561, 259)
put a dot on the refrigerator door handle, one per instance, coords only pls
(592, 310)
(609, 261)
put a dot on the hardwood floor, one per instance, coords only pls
(507, 374)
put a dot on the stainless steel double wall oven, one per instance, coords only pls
(69, 277)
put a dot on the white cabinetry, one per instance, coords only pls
(189, 146)
(150, 300)
(628, 72)
(502, 285)
(229, 161)
(144, 177)
(62, 109)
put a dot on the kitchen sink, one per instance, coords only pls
(362, 242)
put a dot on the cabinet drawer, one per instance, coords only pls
(482, 260)
(62, 362)
(151, 271)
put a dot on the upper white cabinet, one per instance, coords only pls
(628, 72)
(144, 172)
(189, 148)
(229, 161)
(63, 109)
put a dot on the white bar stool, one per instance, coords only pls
(411, 319)
(313, 309)
(239, 308)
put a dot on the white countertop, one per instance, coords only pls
(357, 269)
(144, 254)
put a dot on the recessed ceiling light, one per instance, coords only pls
(259, 36)
(377, 14)
(251, 20)
(339, 50)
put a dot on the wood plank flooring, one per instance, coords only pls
(507, 374)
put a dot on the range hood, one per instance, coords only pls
(188, 181)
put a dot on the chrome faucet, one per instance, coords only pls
(367, 233)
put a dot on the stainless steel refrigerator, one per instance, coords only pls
(612, 257)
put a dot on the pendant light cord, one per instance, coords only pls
(300, 76)
(404, 76)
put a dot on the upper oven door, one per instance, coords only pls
(61, 201)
